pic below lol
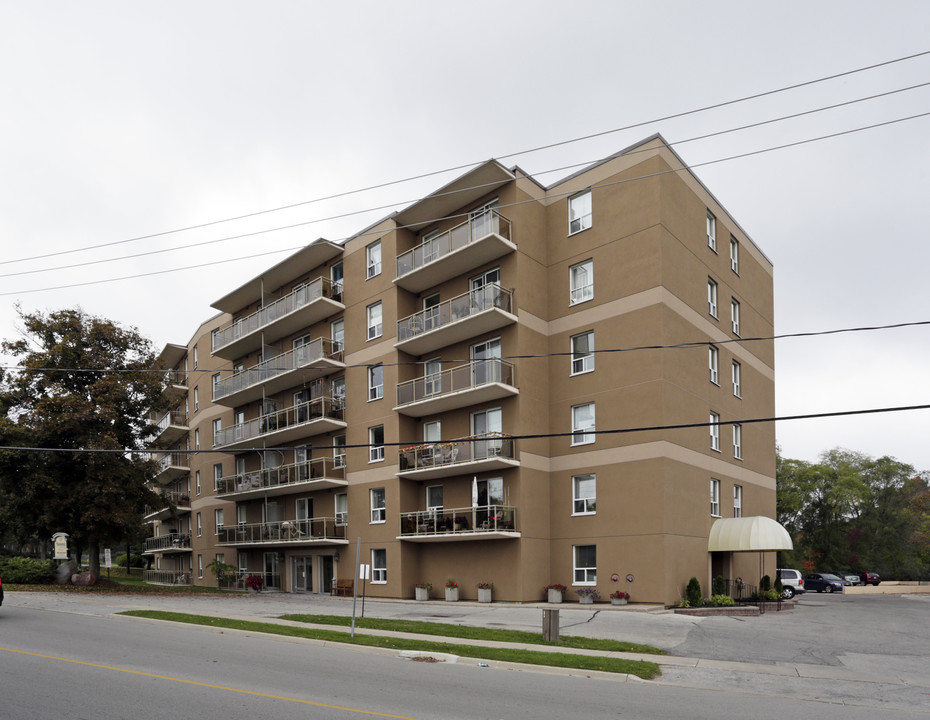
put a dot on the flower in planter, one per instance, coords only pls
(590, 592)
(619, 595)
(254, 582)
(556, 586)
(450, 583)
(485, 585)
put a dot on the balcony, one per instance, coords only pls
(479, 381)
(316, 474)
(171, 466)
(305, 306)
(166, 577)
(469, 245)
(303, 364)
(478, 453)
(172, 543)
(311, 531)
(476, 312)
(174, 504)
(314, 417)
(176, 383)
(485, 522)
(171, 427)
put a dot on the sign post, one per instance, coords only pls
(107, 561)
(364, 573)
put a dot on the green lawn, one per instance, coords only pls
(645, 670)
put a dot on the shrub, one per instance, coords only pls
(765, 583)
(693, 593)
(719, 586)
(721, 600)
(135, 560)
(27, 571)
(779, 587)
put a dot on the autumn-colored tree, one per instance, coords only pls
(81, 398)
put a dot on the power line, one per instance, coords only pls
(475, 439)
(458, 215)
(475, 163)
(363, 211)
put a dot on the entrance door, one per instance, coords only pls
(485, 423)
(485, 367)
(303, 574)
(326, 572)
(272, 578)
(490, 495)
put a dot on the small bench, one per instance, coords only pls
(343, 587)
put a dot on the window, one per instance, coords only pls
(335, 278)
(582, 424)
(338, 334)
(432, 377)
(585, 564)
(342, 509)
(339, 451)
(712, 358)
(376, 443)
(217, 475)
(432, 317)
(240, 514)
(432, 431)
(737, 372)
(734, 315)
(734, 254)
(373, 259)
(582, 282)
(711, 231)
(715, 431)
(584, 494)
(217, 432)
(195, 357)
(197, 480)
(374, 320)
(197, 439)
(199, 525)
(377, 505)
(216, 381)
(200, 566)
(434, 497)
(715, 497)
(583, 352)
(196, 399)
(737, 501)
(738, 441)
(218, 520)
(376, 382)
(378, 567)
(711, 298)
(579, 212)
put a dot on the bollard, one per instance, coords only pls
(551, 625)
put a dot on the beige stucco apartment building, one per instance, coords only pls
(504, 382)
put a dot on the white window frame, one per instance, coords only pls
(195, 357)
(734, 315)
(217, 377)
(714, 497)
(737, 441)
(375, 452)
(737, 501)
(711, 231)
(339, 451)
(734, 254)
(341, 509)
(373, 260)
(217, 430)
(375, 320)
(582, 363)
(379, 566)
(715, 431)
(199, 525)
(712, 297)
(377, 499)
(580, 212)
(337, 333)
(736, 373)
(217, 520)
(580, 433)
(196, 399)
(584, 502)
(199, 566)
(197, 439)
(375, 382)
(579, 293)
(217, 475)
(713, 362)
(197, 480)
(431, 497)
(586, 573)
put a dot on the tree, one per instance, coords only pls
(82, 394)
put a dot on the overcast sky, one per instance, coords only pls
(122, 120)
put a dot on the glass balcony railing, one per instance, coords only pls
(455, 452)
(299, 357)
(464, 377)
(451, 311)
(301, 297)
(321, 408)
(172, 460)
(309, 529)
(164, 543)
(283, 476)
(479, 226)
(484, 518)
(174, 418)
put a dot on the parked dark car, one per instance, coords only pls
(868, 578)
(848, 578)
(823, 582)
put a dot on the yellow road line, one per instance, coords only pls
(209, 685)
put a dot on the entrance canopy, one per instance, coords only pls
(748, 534)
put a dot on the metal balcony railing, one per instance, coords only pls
(304, 413)
(302, 296)
(284, 475)
(166, 577)
(464, 377)
(173, 417)
(167, 542)
(458, 308)
(313, 351)
(481, 225)
(455, 452)
(484, 518)
(170, 460)
(176, 377)
(237, 580)
(170, 498)
(310, 530)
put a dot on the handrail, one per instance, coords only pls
(172, 417)
(318, 528)
(290, 474)
(463, 377)
(483, 518)
(300, 414)
(454, 452)
(172, 459)
(489, 222)
(294, 300)
(167, 542)
(458, 308)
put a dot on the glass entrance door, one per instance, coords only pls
(325, 563)
(303, 574)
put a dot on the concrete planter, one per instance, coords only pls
(421, 593)
(585, 600)
(452, 594)
(618, 601)
(484, 595)
(555, 596)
